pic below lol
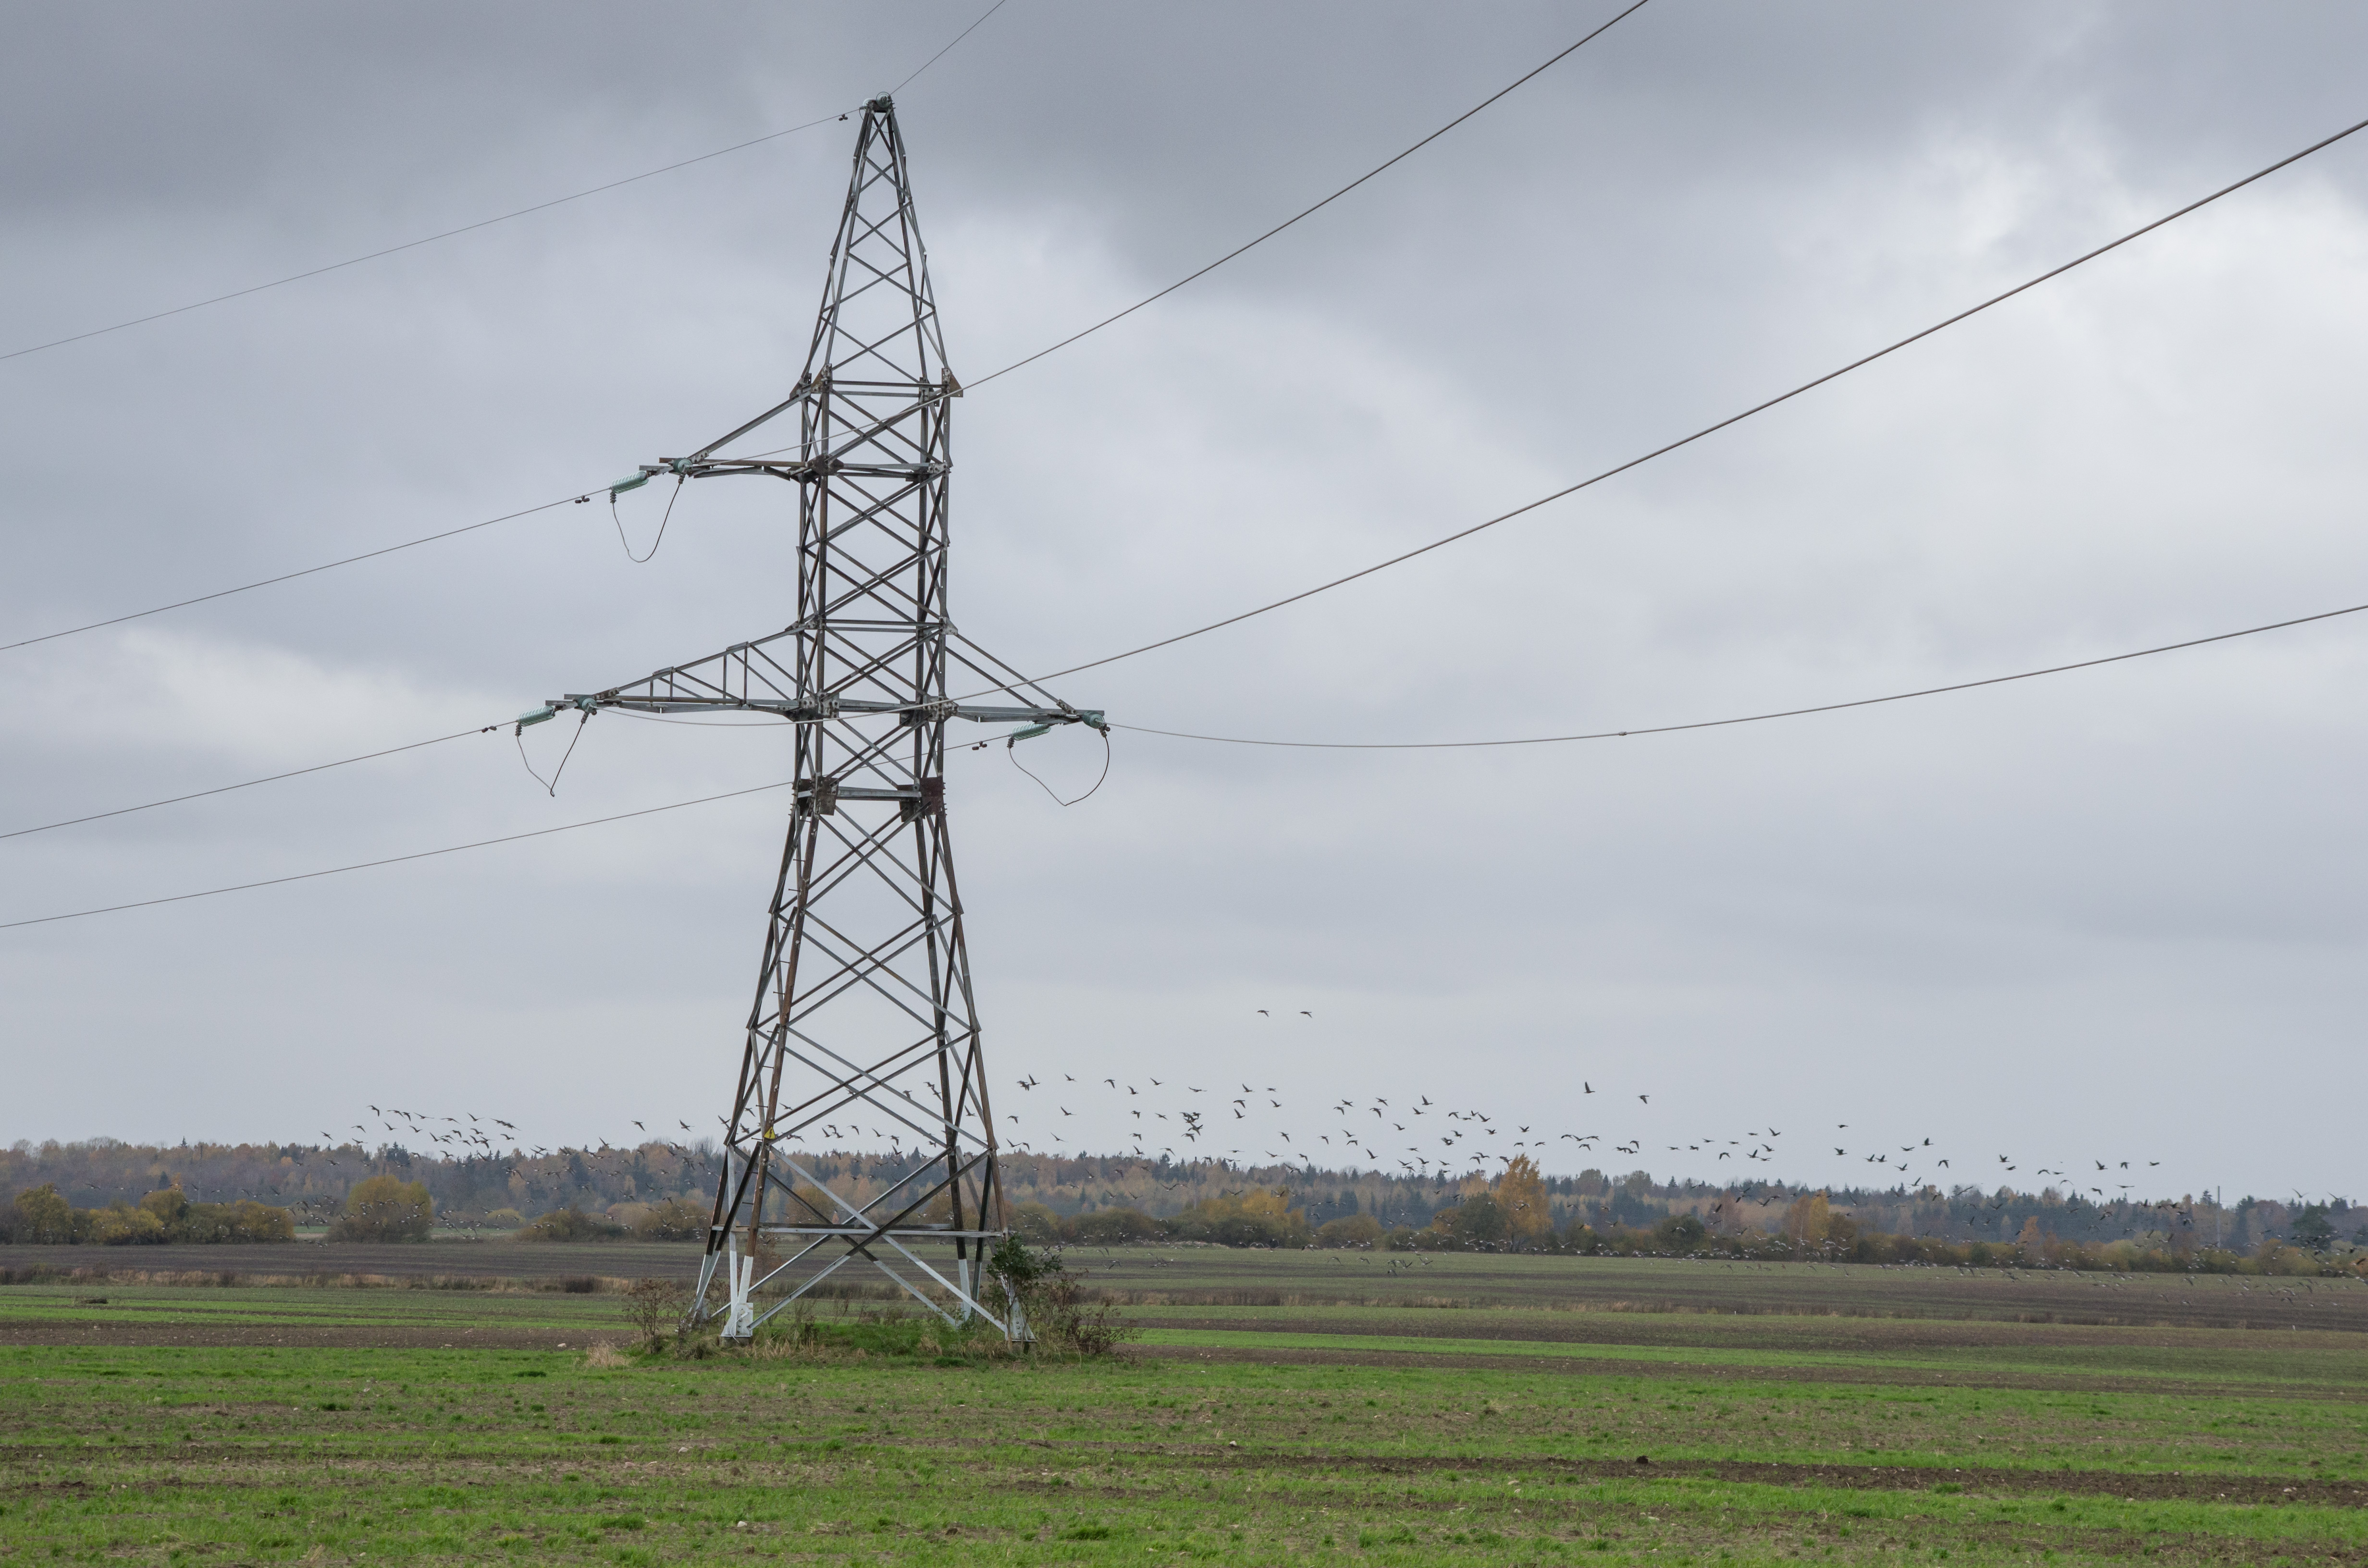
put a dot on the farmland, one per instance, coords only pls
(1274, 1407)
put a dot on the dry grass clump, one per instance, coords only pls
(605, 1355)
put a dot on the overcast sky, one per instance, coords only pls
(2111, 915)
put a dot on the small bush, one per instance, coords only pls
(1352, 1231)
(1036, 1223)
(386, 1209)
(1103, 1226)
(676, 1220)
(570, 1225)
(653, 1306)
(1052, 1297)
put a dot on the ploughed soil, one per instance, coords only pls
(1153, 1277)
(330, 1260)
(1579, 1363)
(87, 1326)
(1854, 1336)
(2159, 1486)
(90, 1325)
(1165, 1279)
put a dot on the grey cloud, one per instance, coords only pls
(2113, 908)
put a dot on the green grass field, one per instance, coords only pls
(1493, 1411)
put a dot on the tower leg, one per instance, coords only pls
(739, 1312)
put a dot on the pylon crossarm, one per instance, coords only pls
(698, 462)
(811, 712)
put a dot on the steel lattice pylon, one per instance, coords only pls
(864, 1005)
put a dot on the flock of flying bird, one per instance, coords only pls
(1459, 1143)
(1444, 1142)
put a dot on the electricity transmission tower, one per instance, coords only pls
(864, 1017)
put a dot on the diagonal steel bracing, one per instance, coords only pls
(863, 1007)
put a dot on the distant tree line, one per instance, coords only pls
(1512, 1214)
(662, 1190)
(379, 1209)
(41, 1215)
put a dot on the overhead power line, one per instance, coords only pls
(391, 859)
(773, 725)
(1754, 718)
(1311, 212)
(412, 244)
(948, 48)
(249, 784)
(291, 577)
(486, 223)
(1338, 582)
(1723, 423)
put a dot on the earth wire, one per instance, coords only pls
(395, 859)
(1713, 429)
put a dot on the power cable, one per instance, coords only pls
(415, 245)
(395, 859)
(552, 789)
(484, 222)
(1712, 429)
(291, 577)
(1754, 718)
(365, 756)
(1451, 539)
(645, 560)
(1012, 751)
(940, 54)
(249, 784)
(1311, 212)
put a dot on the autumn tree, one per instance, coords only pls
(2312, 1229)
(1255, 1218)
(674, 1220)
(386, 1208)
(42, 1215)
(1348, 1231)
(1808, 1220)
(1521, 1194)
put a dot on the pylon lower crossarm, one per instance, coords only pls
(829, 708)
